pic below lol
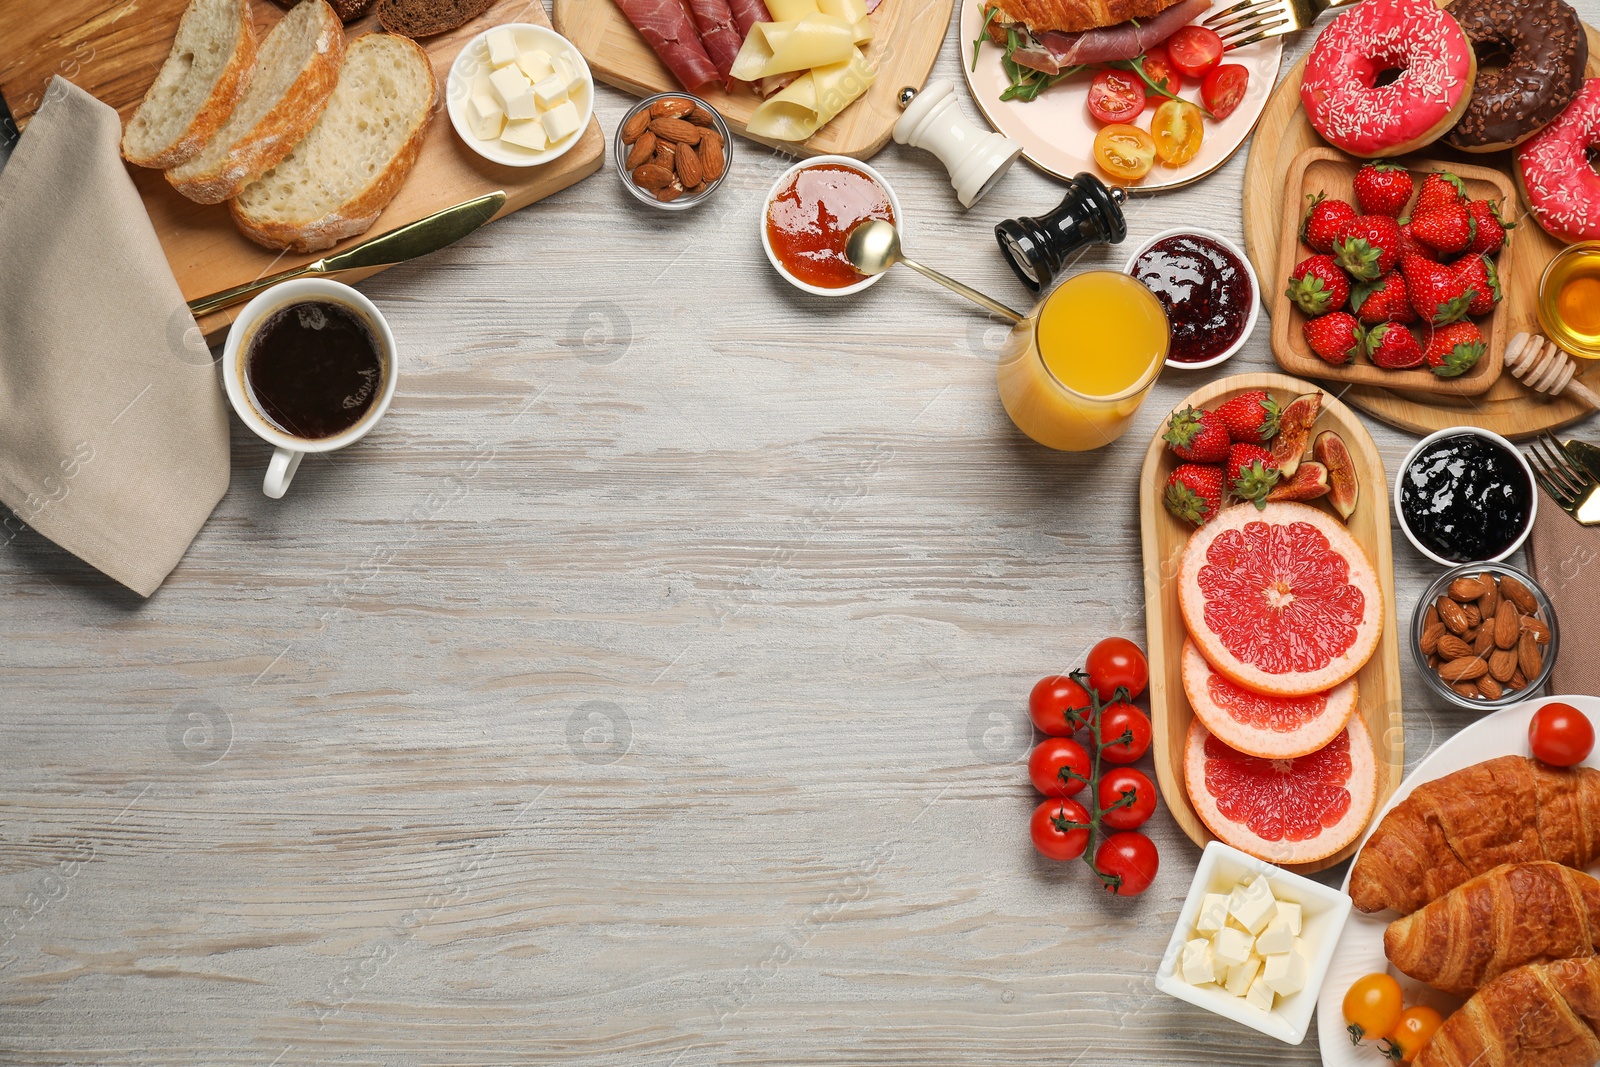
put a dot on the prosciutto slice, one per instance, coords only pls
(666, 28)
(718, 32)
(747, 13)
(1122, 41)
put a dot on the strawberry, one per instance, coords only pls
(1367, 246)
(1318, 285)
(1198, 436)
(1436, 293)
(1333, 337)
(1385, 300)
(1391, 345)
(1310, 481)
(1410, 246)
(1194, 492)
(1322, 219)
(1453, 350)
(1478, 274)
(1448, 229)
(1383, 189)
(1491, 235)
(1251, 473)
(1440, 189)
(1251, 418)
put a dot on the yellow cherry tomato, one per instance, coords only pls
(1124, 151)
(1372, 1007)
(1417, 1027)
(1177, 126)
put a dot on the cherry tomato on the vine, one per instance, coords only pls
(1116, 96)
(1416, 1028)
(1560, 735)
(1124, 733)
(1053, 839)
(1118, 814)
(1372, 1007)
(1195, 50)
(1115, 662)
(1130, 856)
(1050, 701)
(1052, 756)
(1224, 88)
(1159, 68)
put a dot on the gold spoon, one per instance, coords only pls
(874, 247)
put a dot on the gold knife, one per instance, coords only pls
(398, 245)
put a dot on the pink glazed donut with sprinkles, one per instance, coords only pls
(1421, 47)
(1553, 171)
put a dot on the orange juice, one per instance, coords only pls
(1073, 373)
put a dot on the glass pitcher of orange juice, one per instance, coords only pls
(1073, 373)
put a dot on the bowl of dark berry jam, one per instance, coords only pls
(1209, 290)
(1465, 495)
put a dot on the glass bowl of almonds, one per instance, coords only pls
(673, 151)
(1485, 636)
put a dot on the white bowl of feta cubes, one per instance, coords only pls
(1253, 943)
(520, 95)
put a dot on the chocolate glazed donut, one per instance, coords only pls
(1545, 51)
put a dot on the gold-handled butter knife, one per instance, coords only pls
(398, 245)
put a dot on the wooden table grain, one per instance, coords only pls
(648, 689)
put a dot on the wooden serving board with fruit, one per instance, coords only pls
(1245, 792)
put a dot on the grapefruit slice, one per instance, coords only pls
(1284, 810)
(1280, 599)
(1260, 725)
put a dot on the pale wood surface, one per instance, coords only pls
(791, 546)
(1163, 539)
(907, 39)
(1507, 407)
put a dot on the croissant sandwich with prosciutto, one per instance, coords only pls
(1058, 34)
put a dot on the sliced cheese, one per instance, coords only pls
(792, 10)
(812, 101)
(784, 47)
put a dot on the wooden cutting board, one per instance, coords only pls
(113, 49)
(908, 35)
(1508, 407)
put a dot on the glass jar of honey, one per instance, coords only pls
(1569, 299)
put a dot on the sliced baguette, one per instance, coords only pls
(296, 70)
(336, 181)
(204, 75)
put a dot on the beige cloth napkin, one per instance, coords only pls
(113, 425)
(1564, 558)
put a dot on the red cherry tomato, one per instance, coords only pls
(1052, 756)
(1224, 88)
(1121, 720)
(1561, 735)
(1050, 701)
(1159, 68)
(1054, 840)
(1131, 857)
(1117, 662)
(1115, 784)
(1195, 50)
(1116, 96)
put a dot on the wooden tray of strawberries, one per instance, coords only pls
(1401, 274)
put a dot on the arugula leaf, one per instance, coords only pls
(983, 32)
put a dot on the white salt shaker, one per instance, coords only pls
(976, 158)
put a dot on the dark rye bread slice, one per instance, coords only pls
(347, 10)
(424, 18)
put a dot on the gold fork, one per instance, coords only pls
(1568, 482)
(1250, 21)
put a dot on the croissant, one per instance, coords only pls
(1515, 914)
(1507, 810)
(1075, 16)
(1542, 1015)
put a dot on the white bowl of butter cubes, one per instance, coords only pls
(520, 94)
(1253, 943)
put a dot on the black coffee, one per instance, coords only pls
(314, 369)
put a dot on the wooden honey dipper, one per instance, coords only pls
(1545, 368)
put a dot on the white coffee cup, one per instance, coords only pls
(289, 449)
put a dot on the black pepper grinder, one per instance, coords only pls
(1037, 248)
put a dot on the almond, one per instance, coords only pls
(1463, 670)
(1502, 664)
(701, 117)
(676, 130)
(673, 107)
(665, 157)
(1489, 602)
(1432, 615)
(1518, 594)
(1466, 689)
(1540, 632)
(1483, 644)
(669, 194)
(713, 157)
(652, 178)
(1518, 680)
(643, 149)
(1465, 589)
(1529, 658)
(1431, 632)
(1506, 627)
(1453, 615)
(689, 170)
(1452, 647)
(1474, 617)
(634, 128)
(1490, 688)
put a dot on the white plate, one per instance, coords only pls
(1360, 951)
(474, 58)
(1057, 132)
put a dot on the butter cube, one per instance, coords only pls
(1260, 994)
(535, 65)
(1198, 967)
(502, 46)
(1286, 972)
(529, 133)
(484, 116)
(1213, 913)
(561, 122)
(568, 70)
(1253, 905)
(1231, 946)
(1237, 980)
(550, 92)
(1276, 938)
(1291, 914)
(514, 93)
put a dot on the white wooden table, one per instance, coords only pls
(648, 689)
